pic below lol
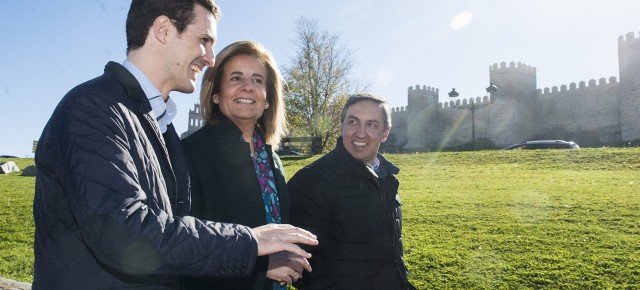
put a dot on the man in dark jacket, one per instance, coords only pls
(349, 199)
(112, 189)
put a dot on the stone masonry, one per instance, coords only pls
(603, 112)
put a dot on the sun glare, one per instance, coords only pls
(384, 77)
(461, 20)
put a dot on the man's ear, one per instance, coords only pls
(385, 135)
(160, 28)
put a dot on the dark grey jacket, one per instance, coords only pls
(357, 219)
(111, 192)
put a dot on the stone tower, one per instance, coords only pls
(422, 107)
(513, 108)
(195, 121)
(629, 62)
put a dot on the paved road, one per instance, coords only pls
(8, 284)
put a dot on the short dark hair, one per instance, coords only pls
(366, 96)
(142, 13)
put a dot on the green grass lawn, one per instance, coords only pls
(543, 219)
(16, 223)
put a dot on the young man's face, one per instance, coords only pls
(191, 51)
(363, 130)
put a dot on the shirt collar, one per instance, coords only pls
(163, 112)
(376, 169)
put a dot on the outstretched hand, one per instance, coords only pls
(273, 238)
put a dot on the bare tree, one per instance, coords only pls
(318, 82)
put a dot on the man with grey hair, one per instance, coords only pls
(349, 200)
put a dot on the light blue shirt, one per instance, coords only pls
(163, 112)
(375, 168)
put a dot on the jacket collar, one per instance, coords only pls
(134, 91)
(225, 129)
(130, 85)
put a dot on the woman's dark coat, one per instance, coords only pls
(225, 188)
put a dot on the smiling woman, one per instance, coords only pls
(235, 174)
(243, 95)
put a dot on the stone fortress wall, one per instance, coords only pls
(605, 112)
(594, 113)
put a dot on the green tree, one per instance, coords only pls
(318, 82)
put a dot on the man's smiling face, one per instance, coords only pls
(363, 130)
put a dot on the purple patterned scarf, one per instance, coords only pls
(266, 178)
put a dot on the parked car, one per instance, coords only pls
(544, 144)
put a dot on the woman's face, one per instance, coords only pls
(243, 93)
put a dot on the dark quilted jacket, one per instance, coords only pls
(357, 219)
(111, 192)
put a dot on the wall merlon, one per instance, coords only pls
(629, 36)
(465, 102)
(397, 109)
(513, 66)
(581, 85)
(602, 81)
(423, 88)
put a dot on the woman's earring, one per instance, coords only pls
(215, 99)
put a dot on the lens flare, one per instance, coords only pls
(461, 20)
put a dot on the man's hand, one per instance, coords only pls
(273, 238)
(286, 267)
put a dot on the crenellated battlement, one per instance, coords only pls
(595, 112)
(513, 67)
(421, 97)
(398, 110)
(581, 85)
(478, 101)
(424, 88)
(630, 36)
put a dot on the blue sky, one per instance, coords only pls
(48, 47)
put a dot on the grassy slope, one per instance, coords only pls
(521, 219)
(16, 223)
(474, 220)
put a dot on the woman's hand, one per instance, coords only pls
(286, 267)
